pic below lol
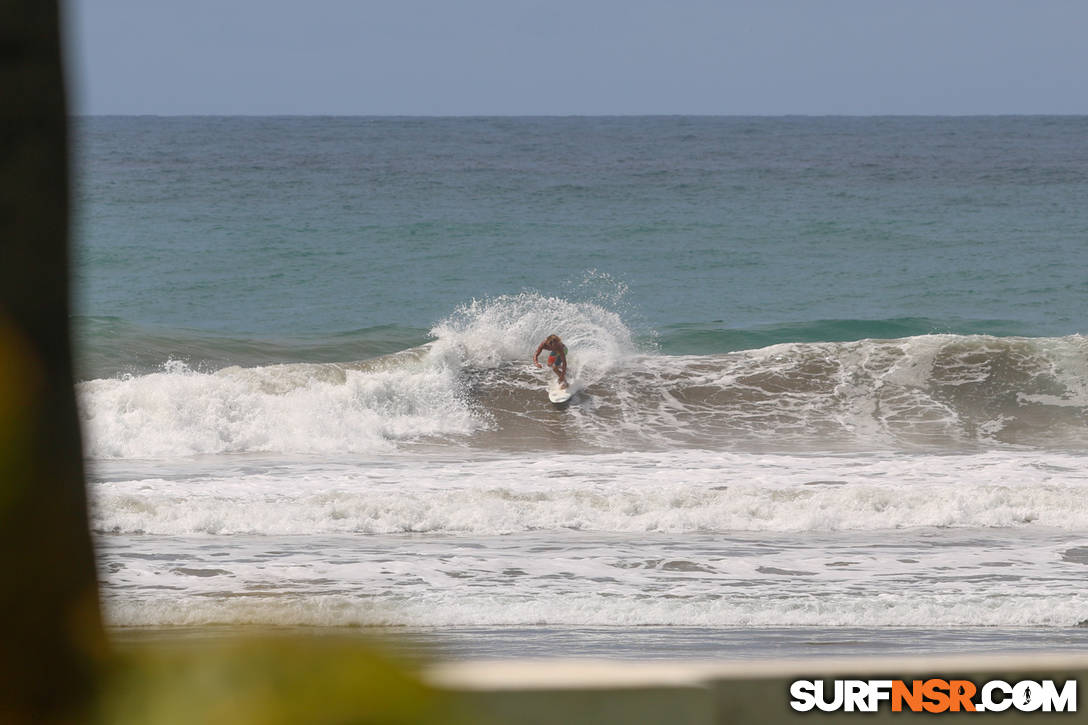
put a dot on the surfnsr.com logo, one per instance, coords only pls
(933, 695)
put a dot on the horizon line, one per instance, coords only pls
(576, 115)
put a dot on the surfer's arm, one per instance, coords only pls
(537, 353)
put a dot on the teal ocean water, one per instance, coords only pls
(829, 371)
(722, 234)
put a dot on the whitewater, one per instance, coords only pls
(831, 380)
(474, 384)
(935, 480)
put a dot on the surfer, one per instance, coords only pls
(557, 357)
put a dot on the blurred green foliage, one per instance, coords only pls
(269, 681)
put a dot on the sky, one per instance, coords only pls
(577, 57)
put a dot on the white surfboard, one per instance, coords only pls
(557, 394)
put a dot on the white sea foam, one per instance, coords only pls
(946, 391)
(486, 333)
(674, 492)
(903, 609)
(861, 579)
(685, 538)
(279, 408)
(344, 408)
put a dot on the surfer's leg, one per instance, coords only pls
(560, 374)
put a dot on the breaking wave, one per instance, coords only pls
(473, 385)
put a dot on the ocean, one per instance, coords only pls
(831, 382)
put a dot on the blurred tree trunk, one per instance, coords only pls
(50, 627)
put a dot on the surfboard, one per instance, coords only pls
(559, 395)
